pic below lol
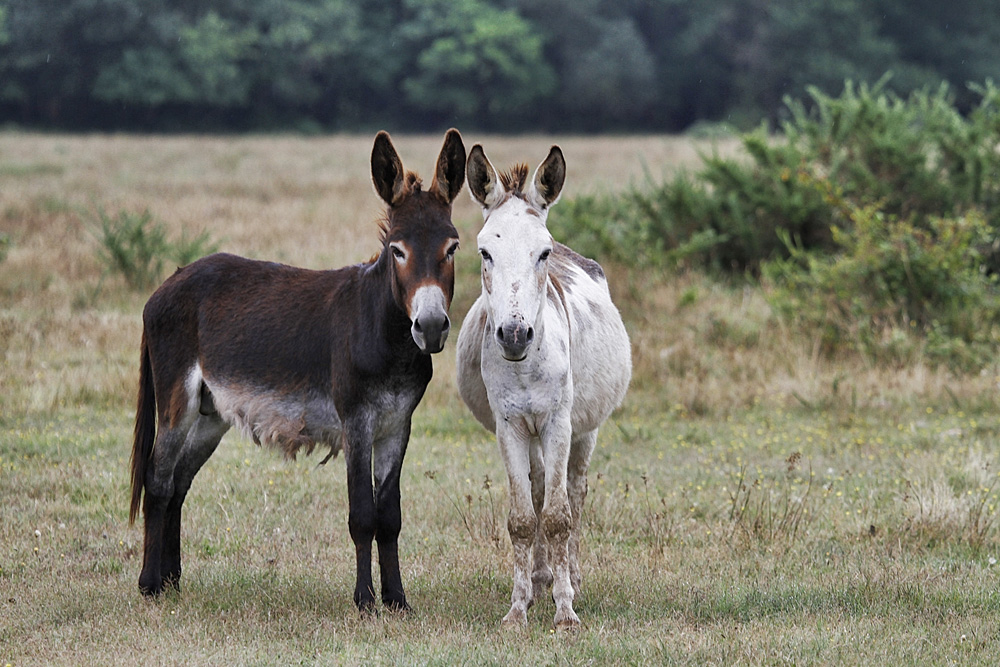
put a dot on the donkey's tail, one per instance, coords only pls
(145, 429)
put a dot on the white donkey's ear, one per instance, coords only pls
(546, 184)
(484, 185)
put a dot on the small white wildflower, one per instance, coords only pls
(992, 561)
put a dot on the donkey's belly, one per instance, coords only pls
(286, 420)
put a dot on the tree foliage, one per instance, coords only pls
(590, 65)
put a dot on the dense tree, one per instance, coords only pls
(956, 41)
(473, 61)
(570, 65)
(786, 45)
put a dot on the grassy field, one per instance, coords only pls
(753, 502)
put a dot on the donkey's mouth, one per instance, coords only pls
(432, 350)
(514, 359)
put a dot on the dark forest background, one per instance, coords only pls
(507, 65)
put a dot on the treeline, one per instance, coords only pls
(502, 65)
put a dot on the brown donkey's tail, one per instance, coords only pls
(145, 429)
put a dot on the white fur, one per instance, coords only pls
(285, 421)
(427, 300)
(546, 409)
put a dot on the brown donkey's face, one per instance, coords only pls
(420, 237)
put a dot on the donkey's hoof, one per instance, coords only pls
(150, 587)
(567, 621)
(515, 619)
(151, 592)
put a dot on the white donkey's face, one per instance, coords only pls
(515, 245)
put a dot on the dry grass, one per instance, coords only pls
(752, 503)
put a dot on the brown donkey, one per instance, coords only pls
(296, 358)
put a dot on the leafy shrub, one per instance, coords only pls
(136, 247)
(917, 158)
(894, 289)
(875, 221)
(185, 250)
(633, 228)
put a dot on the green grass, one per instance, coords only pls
(682, 564)
(753, 502)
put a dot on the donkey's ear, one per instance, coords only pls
(484, 186)
(387, 170)
(450, 172)
(546, 185)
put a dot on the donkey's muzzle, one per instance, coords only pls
(514, 339)
(429, 319)
(430, 332)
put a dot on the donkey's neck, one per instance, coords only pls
(383, 327)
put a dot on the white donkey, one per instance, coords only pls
(543, 359)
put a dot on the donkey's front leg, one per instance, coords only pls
(388, 459)
(556, 517)
(361, 515)
(541, 575)
(521, 519)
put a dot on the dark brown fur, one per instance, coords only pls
(276, 346)
(513, 180)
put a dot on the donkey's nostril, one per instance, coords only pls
(446, 327)
(514, 339)
(416, 326)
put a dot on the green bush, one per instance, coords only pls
(917, 158)
(894, 290)
(633, 228)
(874, 220)
(136, 247)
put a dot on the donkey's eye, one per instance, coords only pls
(451, 251)
(397, 252)
(544, 256)
(485, 255)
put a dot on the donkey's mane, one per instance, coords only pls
(514, 179)
(413, 182)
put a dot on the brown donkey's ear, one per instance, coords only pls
(550, 175)
(450, 172)
(484, 186)
(387, 170)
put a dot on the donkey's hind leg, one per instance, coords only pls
(581, 448)
(159, 490)
(178, 453)
(201, 442)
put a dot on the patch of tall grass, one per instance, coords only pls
(136, 246)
